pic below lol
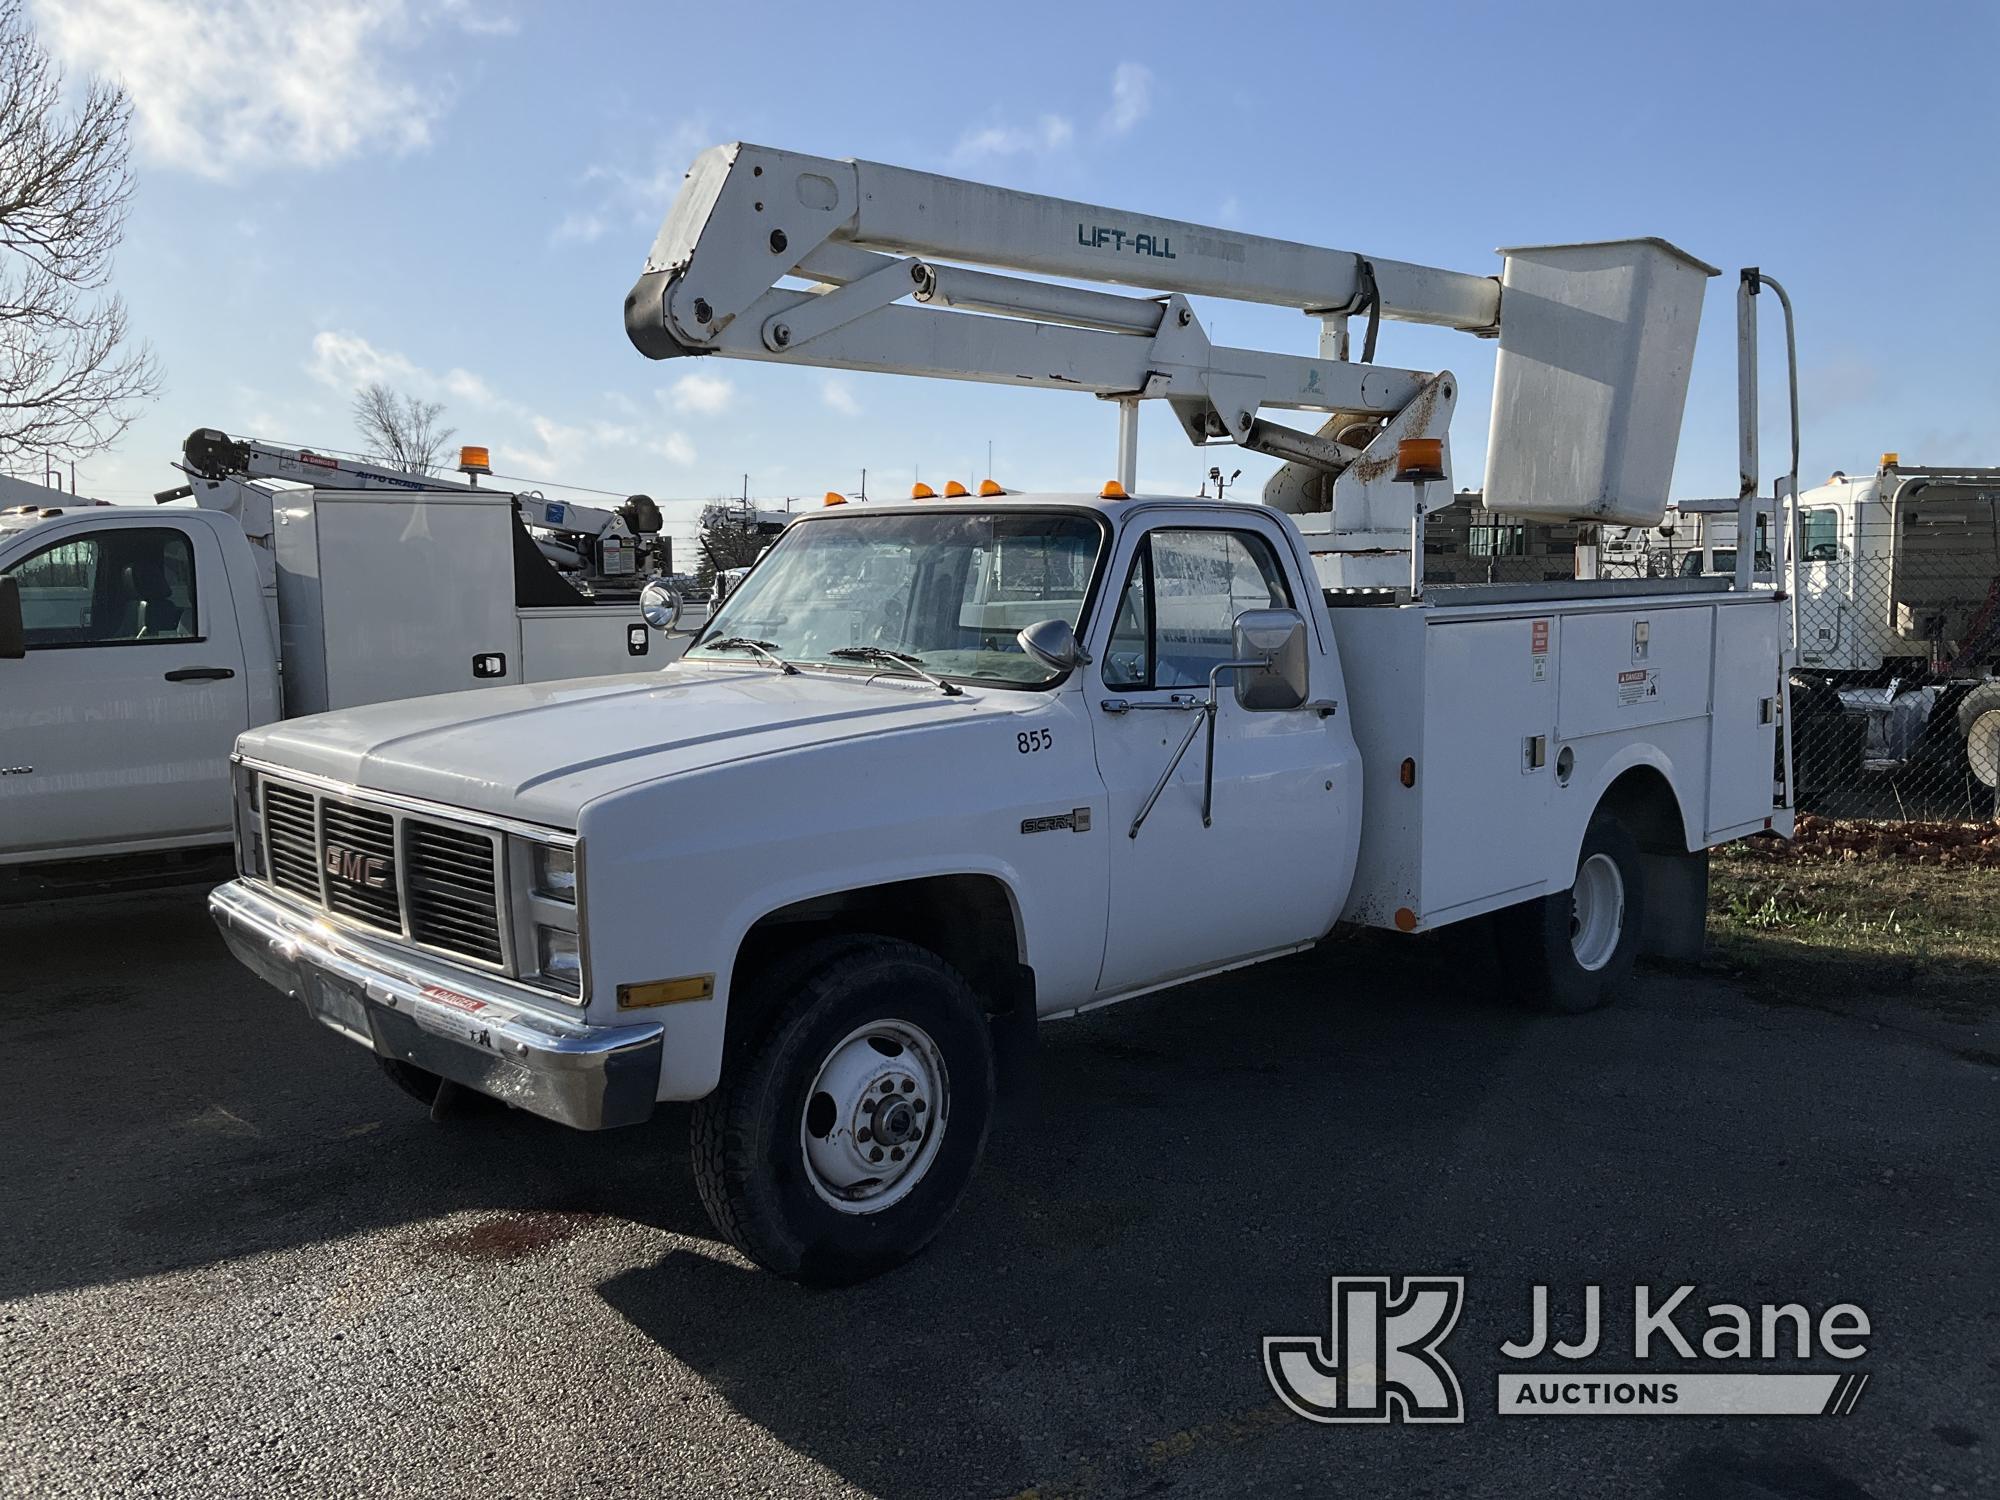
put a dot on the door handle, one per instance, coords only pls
(1176, 703)
(200, 674)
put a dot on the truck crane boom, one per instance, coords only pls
(599, 540)
(866, 235)
(777, 255)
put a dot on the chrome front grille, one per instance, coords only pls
(451, 889)
(358, 854)
(434, 884)
(291, 833)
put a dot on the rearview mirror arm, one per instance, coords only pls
(1207, 719)
(1215, 672)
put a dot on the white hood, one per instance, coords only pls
(541, 751)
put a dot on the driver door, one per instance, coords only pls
(1184, 897)
(116, 727)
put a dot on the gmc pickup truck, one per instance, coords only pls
(952, 769)
(958, 767)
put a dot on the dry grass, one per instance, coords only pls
(1909, 911)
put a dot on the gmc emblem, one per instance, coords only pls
(356, 868)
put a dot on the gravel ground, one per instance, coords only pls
(234, 1261)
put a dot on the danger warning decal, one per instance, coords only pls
(1637, 686)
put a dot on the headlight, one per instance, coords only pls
(555, 873)
(547, 903)
(558, 956)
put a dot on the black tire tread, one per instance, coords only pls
(1983, 699)
(1533, 936)
(723, 1132)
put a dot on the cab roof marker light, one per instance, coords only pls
(922, 491)
(989, 488)
(953, 490)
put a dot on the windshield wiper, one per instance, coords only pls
(762, 648)
(911, 664)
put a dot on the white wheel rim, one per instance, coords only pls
(1982, 747)
(1597, 912)
(874, 1116)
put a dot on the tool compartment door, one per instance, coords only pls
(1742, 732)
(1489, 693)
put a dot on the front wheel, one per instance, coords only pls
(1979, 722)
(844, 1133)
(1573, 951)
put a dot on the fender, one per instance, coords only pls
(1627, 758)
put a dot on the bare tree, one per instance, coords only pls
(69, 383)
(400, 430)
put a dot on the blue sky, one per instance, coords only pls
(455, 195)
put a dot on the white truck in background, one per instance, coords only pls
(959, 766)
(136, 644)
(1899, 617)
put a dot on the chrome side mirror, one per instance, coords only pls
(13, 638)
(1053, 643)
(660, 606)
(1276, 640)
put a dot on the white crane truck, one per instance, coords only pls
(957, 767)
(136, 644)
(1898, 584)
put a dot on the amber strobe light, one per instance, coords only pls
(474, 461)
(1420, 459)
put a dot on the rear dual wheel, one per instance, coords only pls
(1572, 952)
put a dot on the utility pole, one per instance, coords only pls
(989, 458)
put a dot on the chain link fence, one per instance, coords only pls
(1896, 697)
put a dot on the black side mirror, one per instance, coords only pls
(13, 639)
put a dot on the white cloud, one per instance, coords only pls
(1131, 97)
(700, 395)
(834, 392)
(524, 441)
(1048, 134)
(223, 87)
(643, 191)
(578, 228)
(345, 362)
(474, 21)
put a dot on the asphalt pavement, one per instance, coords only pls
(234, 1261)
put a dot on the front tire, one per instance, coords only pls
(845, 1131)
(1979, 726)
(1572, 952)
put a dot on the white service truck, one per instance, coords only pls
(136, 644)
(1898, 582)
(959, 766)
(1899, 605)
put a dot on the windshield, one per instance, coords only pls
(951, 590)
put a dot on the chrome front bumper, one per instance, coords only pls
(591, 1077)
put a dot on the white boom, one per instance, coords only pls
(1588, 393)
(605, 541)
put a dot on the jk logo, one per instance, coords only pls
(1380, 1362)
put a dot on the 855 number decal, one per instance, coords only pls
(1028, 741)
